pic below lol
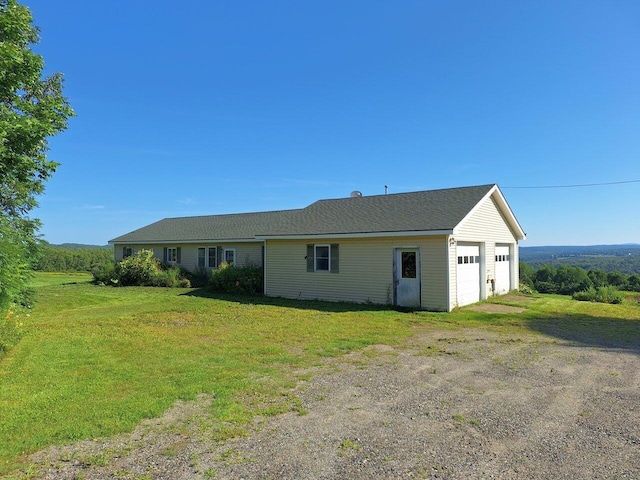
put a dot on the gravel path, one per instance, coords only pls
(452, 405)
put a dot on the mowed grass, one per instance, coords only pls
(95, 361)
(98, 360)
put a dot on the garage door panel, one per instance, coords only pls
(503, 269)
(468, 274)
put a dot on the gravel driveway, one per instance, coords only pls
(452, 405)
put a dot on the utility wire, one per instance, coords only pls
(578, 185)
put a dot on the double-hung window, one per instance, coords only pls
(212, 257)
(127, 252)
(172, 254)
(322, 258)
(230, 256)
(207, 257)
(322, 255)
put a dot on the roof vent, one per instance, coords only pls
(356, 193)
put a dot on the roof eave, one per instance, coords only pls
(404, 233)
(181, 242)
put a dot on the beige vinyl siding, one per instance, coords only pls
(247, 253)
(135, 249)
(486, 226)
(434, 273)
(452, 286)
(365, 270)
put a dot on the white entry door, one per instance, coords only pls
(468, 274)
(407, 277)
(503, 269)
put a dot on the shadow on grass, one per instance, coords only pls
(583, 329)
(323, 306)
(579, 329)
(590, 331)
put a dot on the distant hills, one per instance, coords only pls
(77, 246)
(556, 252)
(622, 258)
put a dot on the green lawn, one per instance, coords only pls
(97, 360)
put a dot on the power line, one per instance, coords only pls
(577, 185)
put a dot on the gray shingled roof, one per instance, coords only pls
(430, 210)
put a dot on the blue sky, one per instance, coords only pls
(207, 107)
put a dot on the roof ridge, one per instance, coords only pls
(218, 215)
(488, 186)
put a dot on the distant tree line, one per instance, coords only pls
(569, 279)
(629, 264)
(610, 258)
(59, 259)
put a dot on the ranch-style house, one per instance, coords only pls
(434, 250)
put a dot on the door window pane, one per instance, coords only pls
(409, 265)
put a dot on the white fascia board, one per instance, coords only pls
(421, 233)
(504, 208)
(185, 242)
(520, 233)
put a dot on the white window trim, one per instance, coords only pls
(315, 257)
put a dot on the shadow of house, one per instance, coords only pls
(590, 331)
(320, 305)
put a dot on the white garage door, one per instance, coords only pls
(503, 269)
(468, 274)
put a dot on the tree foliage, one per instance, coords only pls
(568, 279)
(32, 109)
(58, 259)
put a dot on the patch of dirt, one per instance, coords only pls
(451, 405)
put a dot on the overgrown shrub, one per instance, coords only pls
(170, 276)
(526, 289)
(200, 277)
(137, 270)
(141, 269)
(600, 295)
(104, 273)
(243, 280)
